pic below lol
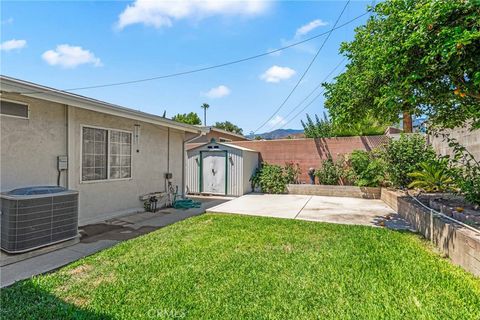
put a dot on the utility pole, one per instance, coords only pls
(205, 106)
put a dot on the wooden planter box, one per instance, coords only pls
(334, 191)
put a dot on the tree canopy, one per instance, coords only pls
(188, 118)
(416, 57)
(324, 128)
(228, 126)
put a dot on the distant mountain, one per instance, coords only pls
(276, 134)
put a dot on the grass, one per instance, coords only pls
(238, 267)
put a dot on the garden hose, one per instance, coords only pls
(184, 203)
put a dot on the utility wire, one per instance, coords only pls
(306, 70)
(171, 75)
(318, 86)
(315, 89)
(312, 101)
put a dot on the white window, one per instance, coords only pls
(106, 154)
(13, 109)
(120, 154)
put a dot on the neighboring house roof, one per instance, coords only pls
(29, 89)
(392, 130)
(212, 128)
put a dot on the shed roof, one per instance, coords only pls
(233, 146)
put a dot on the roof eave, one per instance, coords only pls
(41, 92)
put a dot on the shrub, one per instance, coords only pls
(330, 173)
(367, 168)
(292, 172)
(403, 156)
(466, 171)
(434, 176)
(274, 179)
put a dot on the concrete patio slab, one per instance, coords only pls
(312, 208)
(267, 205)
(345, 210)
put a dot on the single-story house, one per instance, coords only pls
(220, 169)
(110, 154)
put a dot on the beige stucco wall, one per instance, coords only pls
(29, 148)
(105, 199)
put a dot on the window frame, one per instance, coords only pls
(108, 179)
(17, 102)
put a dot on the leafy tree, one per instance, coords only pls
(412, 57)
(188, 118)
(321, 128)
(324, 128)
(228, 126)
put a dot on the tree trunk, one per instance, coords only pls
(407, 122)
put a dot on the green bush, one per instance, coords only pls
(292, 172)
(434, 176)
(466, 171)
(274, 178)
(330, 172)
(367, 168)
(404, 156)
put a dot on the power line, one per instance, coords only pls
(308, 105)
(313, 91)
(318, 95)
(171, 75)
(306, 70)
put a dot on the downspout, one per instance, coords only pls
(183, 158)
(168, 160)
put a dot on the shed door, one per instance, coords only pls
(214, 172)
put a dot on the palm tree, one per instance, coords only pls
(205, 106)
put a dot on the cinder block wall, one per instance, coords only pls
(466, 137)
(309, 153)
(461, 245)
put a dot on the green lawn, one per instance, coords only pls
(227, 266)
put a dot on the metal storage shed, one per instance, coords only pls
(220, 169)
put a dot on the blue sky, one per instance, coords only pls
(74, 44)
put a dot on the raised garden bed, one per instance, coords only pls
(460, 244)
(334, 191)
(455, 207)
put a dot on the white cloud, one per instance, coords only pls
(7, 21)
(277, 120)
(162, 13)
(13, 44)
(68, 56)
(276, 74)
(303, 30)
(218, 92)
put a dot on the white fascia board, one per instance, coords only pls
(74, 100)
